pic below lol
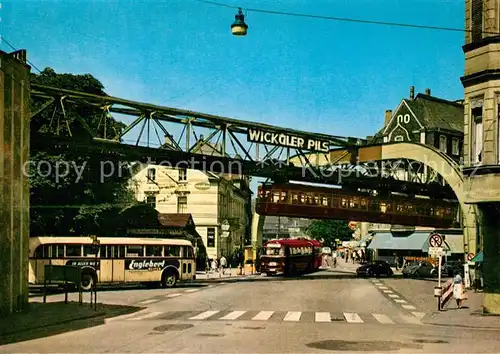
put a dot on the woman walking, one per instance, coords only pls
(458, 289)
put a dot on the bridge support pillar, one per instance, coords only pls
(257, 230)
(14, 189)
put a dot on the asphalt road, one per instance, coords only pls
(313, 314)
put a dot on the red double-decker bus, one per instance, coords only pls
(290, 256)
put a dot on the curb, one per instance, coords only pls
(125, 316)
(30, 328)
(461, 326)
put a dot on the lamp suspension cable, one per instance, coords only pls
(332, 18)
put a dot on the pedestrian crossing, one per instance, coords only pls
(279, 316)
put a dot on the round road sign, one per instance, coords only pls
(470, 256)
(435, 240)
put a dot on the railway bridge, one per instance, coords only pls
(179, 137)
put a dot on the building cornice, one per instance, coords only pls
(482, 43)
(480, 77)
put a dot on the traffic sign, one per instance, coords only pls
(470, 256)
(435, 240)
(436, 251)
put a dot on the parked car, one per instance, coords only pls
(419, 270)
(448, 269)
(375, 268)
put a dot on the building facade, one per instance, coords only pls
(212, 200)
(481, 170)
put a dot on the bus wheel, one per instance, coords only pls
(88, 281)
(169, 279)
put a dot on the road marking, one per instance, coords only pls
(149, 315)
(387, 291)
(232, 315)
(292, 316)
(352, 317)
(399, 301)
(192, 290)
(383, 287)
(418, 314)
(204, 315)
(124, 317)
(323, 317)
(393, 295)
(174, 295)
(411, 319)
(263, 316)
(383, 318)
(147, 302)
(409, 307)
(377, 283)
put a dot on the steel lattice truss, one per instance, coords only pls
(213, 143)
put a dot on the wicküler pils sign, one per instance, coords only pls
(287, 140)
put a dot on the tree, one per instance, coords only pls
(67, 194)
(329, 230)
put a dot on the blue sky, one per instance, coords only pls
(310, 74)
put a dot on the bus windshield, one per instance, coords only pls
(273, 251)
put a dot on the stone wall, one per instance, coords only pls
(14, 190)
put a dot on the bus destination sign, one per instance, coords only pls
(287, 140)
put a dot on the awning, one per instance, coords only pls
(454, 243)
(386, 241)
(478, 258)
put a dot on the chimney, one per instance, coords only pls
(388, 116)
(428, 91)
(412, 92)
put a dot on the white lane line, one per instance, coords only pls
(387, 291)
(411, 319)
(192, 290)
(323, 317)
(293, 316)
(393, 295)
(418, 314)
(383, 287)
(263, 316)
(204, 315)
(174, 295)
(399, 301)
(352, 317)
(383, 318)
(233, 315)
(147, 302)
(149, 315)
(124, 317)
(409, 307)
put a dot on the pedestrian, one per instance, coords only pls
(458, 289)
(223, 264)
(214, 265)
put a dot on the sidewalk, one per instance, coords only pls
(41, 320)
(470, 316)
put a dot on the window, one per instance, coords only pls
(398, 138)
(455, 147)
(443, 143)
(211, 237)
(151, 175)
(172, 251)
(73, 250)
(182, 175)
(135, 251)
(154, 251)
(477, 20)
(181, 205)
(151, 200)
(89, 251)
(477, 134)
(188, 252)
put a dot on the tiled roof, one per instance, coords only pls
(437, 113)
(175, 220)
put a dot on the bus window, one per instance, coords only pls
(188, 252)
(383, 207)
(88, 251)
(58, 251)
(172, 251)
(343, 203)
(42, 251)
(154, 251)
(271, 251)
(135, 251)
(73, 250)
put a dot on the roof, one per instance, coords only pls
(416, 241)
(437, 113)
(35, 241)
(176, 220)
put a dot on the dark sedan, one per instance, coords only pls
(375, 268)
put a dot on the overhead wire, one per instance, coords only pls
(344, 19)
(2, 39)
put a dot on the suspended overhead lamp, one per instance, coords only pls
(239, 27)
